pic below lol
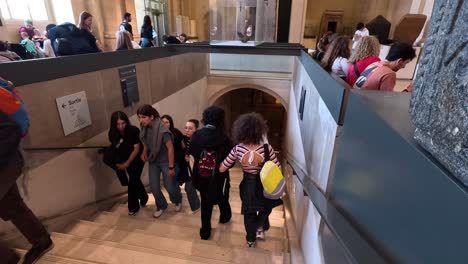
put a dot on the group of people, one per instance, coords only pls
(200, 159)
(360, 65)
(68, 39)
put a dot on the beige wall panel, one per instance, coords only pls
(176, 72)
(163, 78)
(46, 128)
(113, 92)
(190, 67)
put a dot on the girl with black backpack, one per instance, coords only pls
(209, 146)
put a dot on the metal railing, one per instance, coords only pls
(354, 244)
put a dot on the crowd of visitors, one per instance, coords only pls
(67, 39)
(199, 159)
(359, 64)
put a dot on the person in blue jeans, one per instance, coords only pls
(181, 165)
(158, 150)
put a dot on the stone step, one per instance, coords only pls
(199, 248)
(111, 219)
(50, 259)
(175, 231)
(278, 212)
(95, 250)
(171, 215)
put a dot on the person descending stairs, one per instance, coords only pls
(114, 237)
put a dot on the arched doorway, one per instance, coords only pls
(246, 100)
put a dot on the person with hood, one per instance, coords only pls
(12, 206)
(209, 147)
(158, 150)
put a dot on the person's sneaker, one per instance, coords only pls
(196, 211)
(178, 207)
(251, 244)
(260, 234)
(158, 213)
(37, 251)
(132, 213)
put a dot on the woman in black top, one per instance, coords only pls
(85, 23)
(126, 139)
(146, 33)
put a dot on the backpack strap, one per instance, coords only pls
(356, 70)
(265, 151)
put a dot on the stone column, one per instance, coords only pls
(297, 24)
(439, 104)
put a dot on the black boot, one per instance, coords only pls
(37, 251)
(205, 233)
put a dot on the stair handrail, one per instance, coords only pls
(356, 246)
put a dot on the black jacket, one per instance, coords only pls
(211, 140)
(11, 161)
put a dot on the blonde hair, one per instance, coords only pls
(124, 40)
(366, 47)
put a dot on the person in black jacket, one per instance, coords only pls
(12, 206)
(125, 138)
(211, 141)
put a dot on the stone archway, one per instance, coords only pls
(236, 102)
(280, 93)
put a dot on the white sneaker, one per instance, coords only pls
(196, 211)
(158, 213)
(178, 207)
(260, 234)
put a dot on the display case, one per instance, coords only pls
(242, 22)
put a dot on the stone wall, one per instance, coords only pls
(439, 105)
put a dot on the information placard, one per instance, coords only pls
(74, 112)
(129, 85)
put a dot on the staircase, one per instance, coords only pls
(114, 237)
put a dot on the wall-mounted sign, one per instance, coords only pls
(129, 85)
(74, 112)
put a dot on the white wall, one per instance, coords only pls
(305, 216)
(310, 142)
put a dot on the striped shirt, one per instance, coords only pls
(251, 160)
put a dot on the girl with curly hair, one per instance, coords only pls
(366, 52)
(249, 132)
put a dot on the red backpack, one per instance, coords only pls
(207, 164)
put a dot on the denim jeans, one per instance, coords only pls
(192, 195)
(170, 184)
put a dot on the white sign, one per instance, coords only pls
(74, 112)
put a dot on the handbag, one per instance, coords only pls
(271, 177)
(111, 159)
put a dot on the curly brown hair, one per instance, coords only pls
(366, 47)
(338, 48)
(249, 129)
